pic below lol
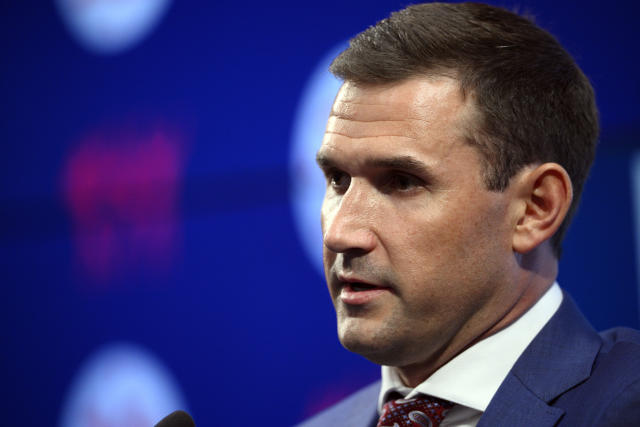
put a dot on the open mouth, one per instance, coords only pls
(360, 293)
(360, 287)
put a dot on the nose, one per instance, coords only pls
(347, 221)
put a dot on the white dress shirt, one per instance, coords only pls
(472, 378)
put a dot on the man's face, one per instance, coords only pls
(417, 252)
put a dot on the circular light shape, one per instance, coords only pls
(111, 26)
(306, 180)
(121, 385)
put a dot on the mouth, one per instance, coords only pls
(360, 286)
(355, 292)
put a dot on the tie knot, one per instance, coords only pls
(421, 411)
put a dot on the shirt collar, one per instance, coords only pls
(473, 377)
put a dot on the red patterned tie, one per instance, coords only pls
(422, 411)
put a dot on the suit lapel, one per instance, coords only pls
(515, 405)
(560, 357)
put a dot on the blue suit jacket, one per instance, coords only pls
(569, 375)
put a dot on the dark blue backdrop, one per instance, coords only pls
(145, 200)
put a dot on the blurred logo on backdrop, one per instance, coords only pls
(121, 385)
(111, 26)
(122, 188)
(307, 182)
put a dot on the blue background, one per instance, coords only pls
(239, 311)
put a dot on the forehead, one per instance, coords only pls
(427, 114)
(410, 98)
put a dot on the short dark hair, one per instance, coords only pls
(534, 103)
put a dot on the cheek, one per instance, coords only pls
(426, 236)
(430, 252)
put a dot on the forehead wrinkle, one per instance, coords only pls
(370, 136)
(371, 129)
(372, 112)
(421, 117)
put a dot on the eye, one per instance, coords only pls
(401, 182)
(338, 180)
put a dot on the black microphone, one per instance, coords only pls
(177, 419)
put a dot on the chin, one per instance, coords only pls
(377, 354)
(369, 344)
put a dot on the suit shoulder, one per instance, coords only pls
(614, 336)
(357, 409)
(620, 349)
(610, 395)
(624, 409)
(615, 371)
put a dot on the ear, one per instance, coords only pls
(546, 193)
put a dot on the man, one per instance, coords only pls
(455, 155)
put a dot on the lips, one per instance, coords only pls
(354, 291)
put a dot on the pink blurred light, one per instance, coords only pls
(122, 190)
(329, 394)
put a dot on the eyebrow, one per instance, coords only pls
(324, 161)
(407, 164)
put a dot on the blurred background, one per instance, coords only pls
(160, 242)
